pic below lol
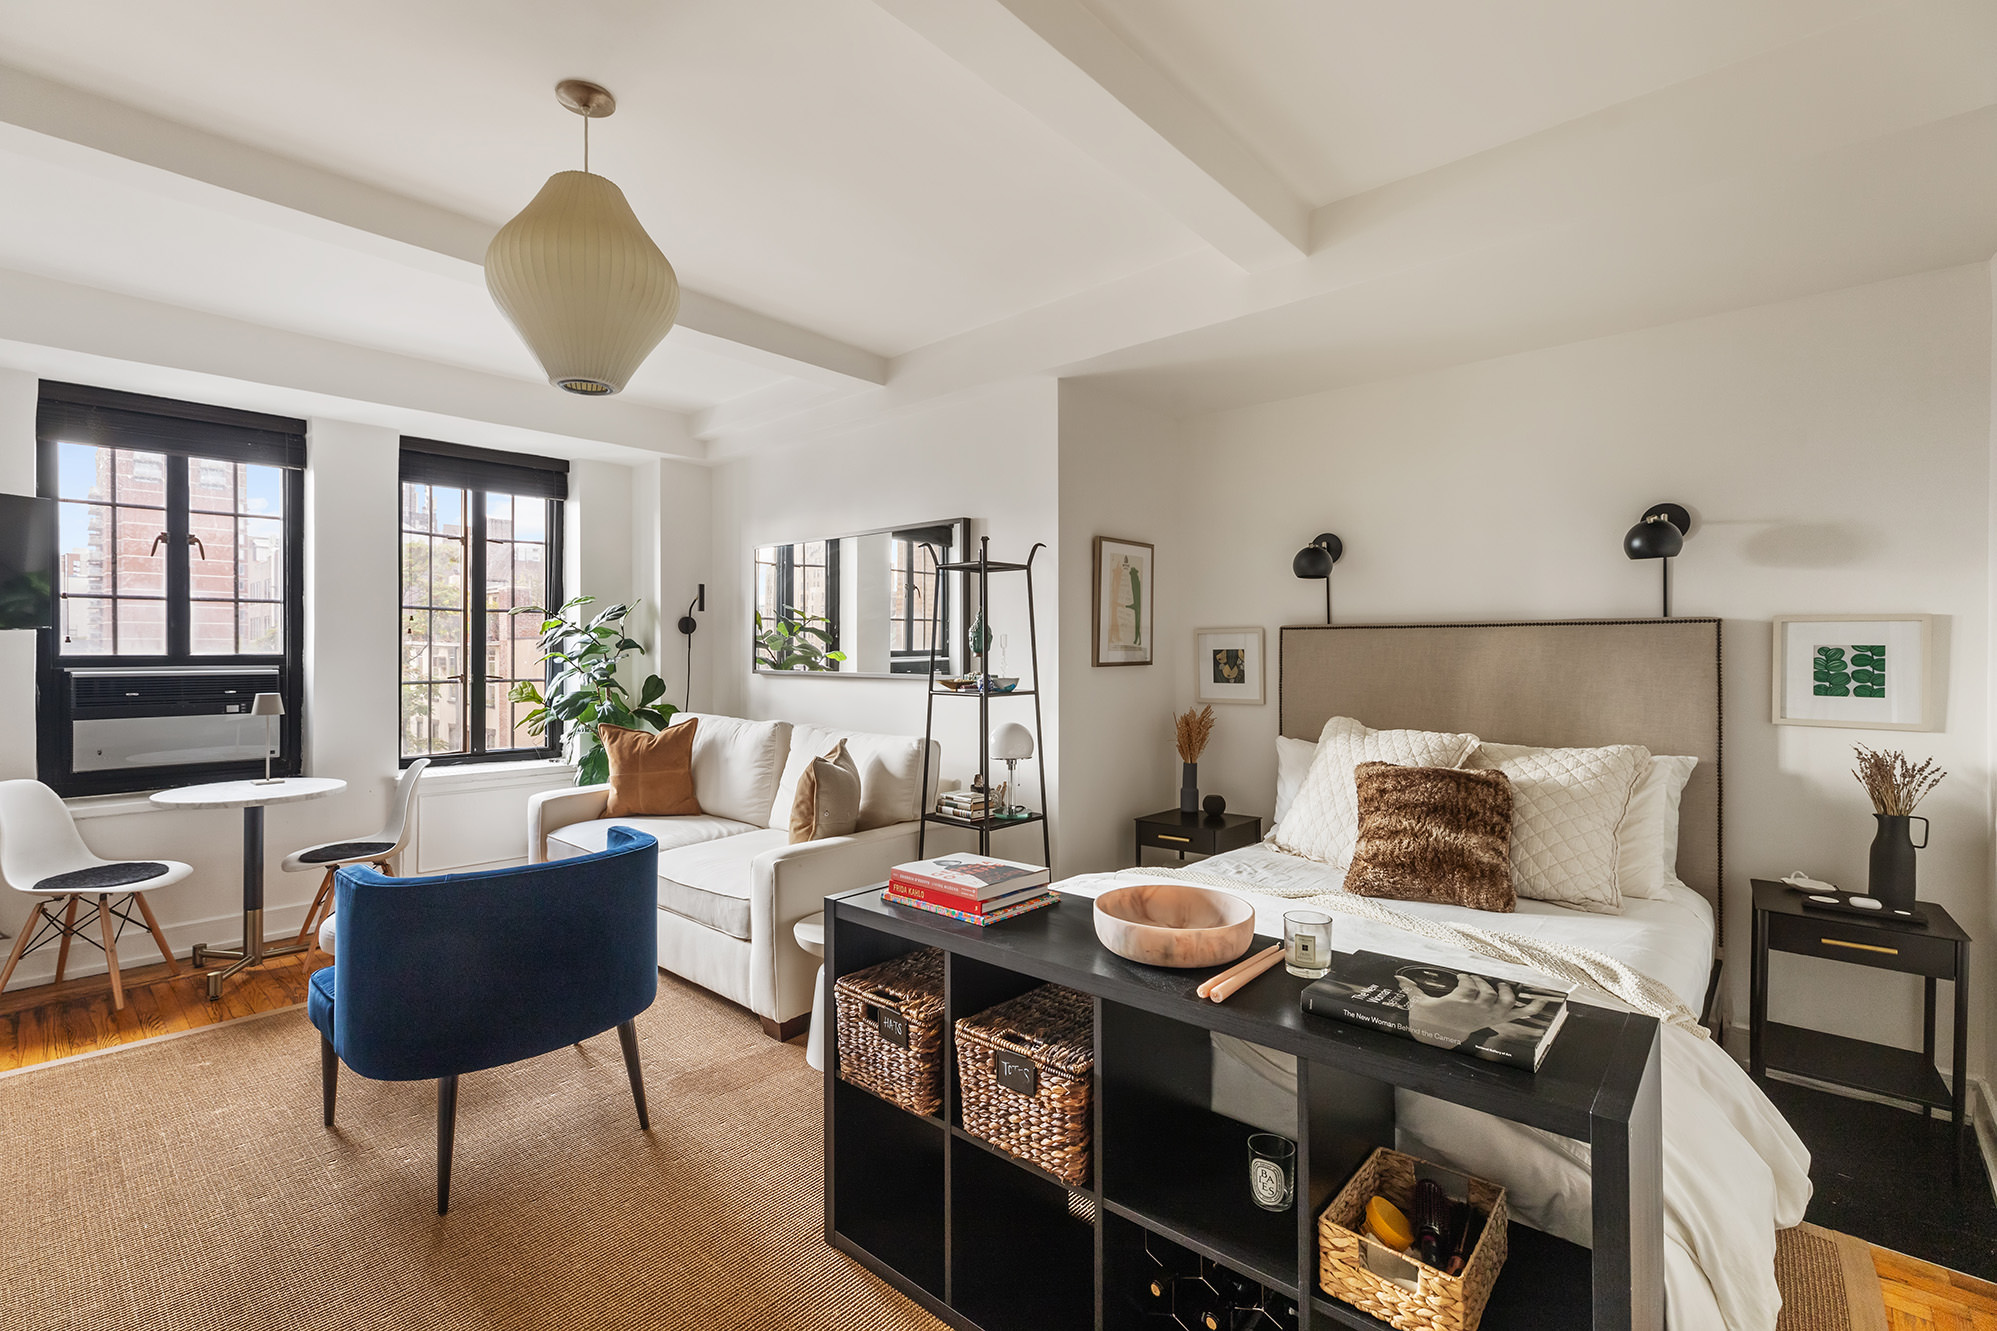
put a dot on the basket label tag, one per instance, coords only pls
(1014, 1073)
(893, 1027)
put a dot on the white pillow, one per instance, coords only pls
(1293, 764)
(1647, 841)
(1566, 807)
(736, 764)
(1323, 821)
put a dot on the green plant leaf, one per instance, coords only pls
(594, 769)
(654, 688)
(523, 691)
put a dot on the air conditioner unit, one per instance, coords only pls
(184, 716)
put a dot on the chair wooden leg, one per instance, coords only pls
(312, 911)
(447, 1123)
(62, 949)
(384, 868)
(152, 927)
(329, 1076)
(627, 1036)
(34, 922)
(104, 920)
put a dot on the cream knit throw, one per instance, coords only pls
(1570, 965)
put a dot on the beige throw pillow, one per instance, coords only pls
(1566, 807)
(828, 797)
(1323, 823)
(651, 775)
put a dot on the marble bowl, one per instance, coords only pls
(1174, 924)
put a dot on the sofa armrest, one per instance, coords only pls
(552, 810)
(791, 883)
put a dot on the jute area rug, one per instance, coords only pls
(1828, 1282)
(188, 1184)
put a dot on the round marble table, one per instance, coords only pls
(251, 797)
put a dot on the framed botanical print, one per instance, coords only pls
(1124, 597)
(1229, 662)
(1855, 672)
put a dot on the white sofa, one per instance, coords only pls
(731, 886)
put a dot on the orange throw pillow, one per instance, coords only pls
(651, 776)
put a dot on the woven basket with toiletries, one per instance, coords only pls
(890, 1029)
(1024, 1070)
(1369, 1254)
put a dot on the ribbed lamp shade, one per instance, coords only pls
(588, 290)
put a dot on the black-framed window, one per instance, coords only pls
(920, 613)
(180, 584)
(481, 537)
(800, 580)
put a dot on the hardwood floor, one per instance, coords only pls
(43, 1022)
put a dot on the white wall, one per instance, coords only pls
(986, 454)
(1836, 455)
(18, 395)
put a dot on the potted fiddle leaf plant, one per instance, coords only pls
(796, 641)
(583, 689)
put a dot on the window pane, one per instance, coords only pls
(447, 509)
(211, 629)
(498, 575)
(140, 477)
(530, 587)
(141, 628)
(498, 718)
(415, 644)
(447, 719)
(83, 471)
(499, 517)
(211, 562)
(86, 626)
(140, 572)
(447, 572)
(530, 519)
(260, 567)
(260, 628)
(262, 490)
(211, 486)
(415, 720)
(415, 506)
(84, 535)
(415, 569)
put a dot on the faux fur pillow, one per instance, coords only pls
(1436, 834)
(1324, 821)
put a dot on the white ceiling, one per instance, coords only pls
(1202, 204)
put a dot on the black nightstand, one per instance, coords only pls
(1196, 832)
(1783, 923)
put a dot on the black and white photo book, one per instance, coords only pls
(1502, 1021)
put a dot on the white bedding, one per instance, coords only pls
(1734, 1172)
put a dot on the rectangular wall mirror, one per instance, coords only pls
(864, 606)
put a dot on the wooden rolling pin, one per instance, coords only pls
(1247, 970)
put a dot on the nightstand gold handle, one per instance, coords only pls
(1863, 947)
(1163, 837)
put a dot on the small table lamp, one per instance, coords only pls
(270, 706)
(1012, 742)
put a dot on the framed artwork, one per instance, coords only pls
(1124, 596)
(1229, 662)
(1855, 672)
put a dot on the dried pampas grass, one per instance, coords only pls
(1193, 730)
(1894, 784)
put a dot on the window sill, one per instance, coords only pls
(82, 807)
(477, 776)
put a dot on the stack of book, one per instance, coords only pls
(977, 889)
(972, 804)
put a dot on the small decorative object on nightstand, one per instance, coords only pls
(1895, 786)
(1784, 921)
(1192, 730)
(1215, 805)
(1196, 832)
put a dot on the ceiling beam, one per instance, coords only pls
(369, 213)
(1064, 66)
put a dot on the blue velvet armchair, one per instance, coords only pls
(437, 977)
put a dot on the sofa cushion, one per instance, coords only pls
(710, 882)
(651, 775)
(890, 774)
(590, 837)
(736, 765)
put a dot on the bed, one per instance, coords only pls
(1733, 1171)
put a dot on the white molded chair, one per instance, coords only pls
(42, 856)
(376, 850)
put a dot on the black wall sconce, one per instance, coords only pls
(687, 625)
(1315, 561)
(1659, 534)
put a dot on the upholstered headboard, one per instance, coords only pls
(1654, 682)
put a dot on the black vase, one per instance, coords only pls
(1189, 787)
(1891, 876)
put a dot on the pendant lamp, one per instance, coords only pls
(589, 292)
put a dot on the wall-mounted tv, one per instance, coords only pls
(27, 562)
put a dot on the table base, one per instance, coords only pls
(254, 951)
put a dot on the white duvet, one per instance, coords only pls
(1734, 1171)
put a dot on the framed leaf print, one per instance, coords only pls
(1855, 672)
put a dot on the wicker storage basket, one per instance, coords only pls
(1024, 1071)
(890, 1029)
(1438, 1302)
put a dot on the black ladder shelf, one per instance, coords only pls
(983, 567)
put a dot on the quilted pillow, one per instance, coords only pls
(1566, 807)
(1647, 841)
(1436, 834)
(1323, 822)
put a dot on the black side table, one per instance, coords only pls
(1783, 923)
(1196, 832)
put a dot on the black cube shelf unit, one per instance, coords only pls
(988, 1242)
